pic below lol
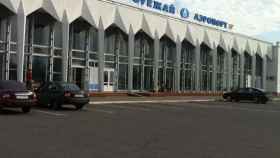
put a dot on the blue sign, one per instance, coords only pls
(210, 21)
(184, 13)
(169, 8)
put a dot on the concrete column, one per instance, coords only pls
(65, 46)
(215, 66)
(130, 59)
(70, 49)
(87, 48)
(101, 57)
(178, 64)
(254, 61)
(198, 67)
(242, 73)
(264, 72)
(8, 48)
(51, 52)
(229, 70)
(21, 25)
(156, 60)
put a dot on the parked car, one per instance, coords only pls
(14, 94)
(249, 94)
(56, 94)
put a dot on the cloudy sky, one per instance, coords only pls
(259, 18)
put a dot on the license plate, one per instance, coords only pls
(79, 96)
(22, 97)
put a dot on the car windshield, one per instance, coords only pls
(12, 85)
(70, 87)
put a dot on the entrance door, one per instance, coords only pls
(2, 66)
(109, 80)
(78, 77)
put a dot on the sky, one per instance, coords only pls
(257, 18)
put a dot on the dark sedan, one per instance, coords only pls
(14, 94)
(248, 94)
(55, 94)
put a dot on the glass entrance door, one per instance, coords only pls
(109, 80)
(78, 77)
(2, 66)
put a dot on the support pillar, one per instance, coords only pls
(51, 52)
(130, 59)
(229, 70)
(198, 67)
(87, 48)
(156, 60)
(178, 64)
(264, 73)
(65, 46)
(101, 52)
(254, 61)
(214, 52)
(8, 48)
(242, 72)
(21, 25)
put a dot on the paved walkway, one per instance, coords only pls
(171, 99)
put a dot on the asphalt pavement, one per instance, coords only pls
(144, 130)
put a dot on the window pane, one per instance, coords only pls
(40, 69)
(123, 76)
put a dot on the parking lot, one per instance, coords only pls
(159, 130)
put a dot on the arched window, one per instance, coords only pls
(187, 74)
(116, 59)
(206, 63)
(167, 56)
(236, 67)
(248, 70)
(143, 62)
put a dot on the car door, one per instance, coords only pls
(44, 94)
(243, 94)
(55, 92)
(252, 94)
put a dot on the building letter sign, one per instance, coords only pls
(184, 13)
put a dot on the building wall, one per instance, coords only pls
(103, 14)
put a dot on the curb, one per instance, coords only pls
(149, 101)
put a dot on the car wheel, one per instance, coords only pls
(236, 100)
(26, 109)
(79, 107)
(257, 100)
(263, 101)
(55, 105)
(229, 99)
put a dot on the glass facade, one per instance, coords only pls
(248, 70)
(259, 72)
(143, 62)
(187, 75)
(43, 58)
(236, 69)
(206, 64)
(221, 70)
(43, 49)
(116, 56)
(167, 56)
(83, 52)
(8, 45)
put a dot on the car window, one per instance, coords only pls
(243, 90)
(52, 87)
(70, 87)
(257, 91)
(12, 85)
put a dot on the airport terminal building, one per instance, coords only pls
(141, 46)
